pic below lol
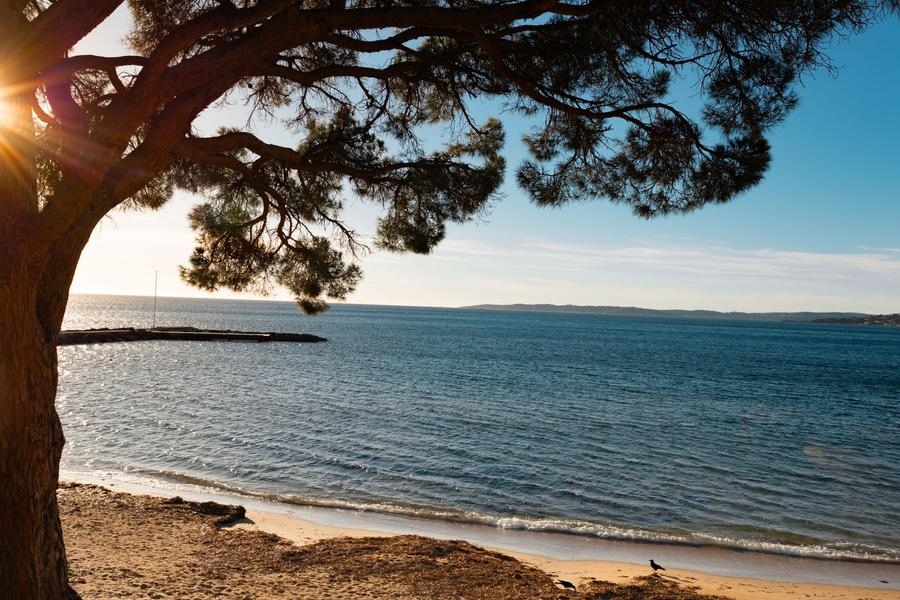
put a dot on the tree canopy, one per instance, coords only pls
(365, 84)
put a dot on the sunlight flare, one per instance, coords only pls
(6, 112)
(16, 138)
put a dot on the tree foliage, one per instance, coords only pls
(380, 94)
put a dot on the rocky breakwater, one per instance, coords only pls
(131, 334)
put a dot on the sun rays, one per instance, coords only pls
(14, 103)
(17, 138)
(7, 113)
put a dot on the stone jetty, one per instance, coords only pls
(130, 334)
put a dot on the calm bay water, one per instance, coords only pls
(771, 436)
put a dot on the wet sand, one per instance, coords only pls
(124, 545)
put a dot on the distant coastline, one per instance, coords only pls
(886, 320)
(846, 318)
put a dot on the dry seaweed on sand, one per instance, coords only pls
(139, 546)
(648, 587)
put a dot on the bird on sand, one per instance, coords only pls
(655, 566)
(567, 584)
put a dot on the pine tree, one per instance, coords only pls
(364, 84)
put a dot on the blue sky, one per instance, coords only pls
(822, 232)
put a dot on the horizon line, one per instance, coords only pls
(483, 304)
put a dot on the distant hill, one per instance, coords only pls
(632, 311)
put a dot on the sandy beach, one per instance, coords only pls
(124, 545)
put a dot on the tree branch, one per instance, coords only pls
(58, 28)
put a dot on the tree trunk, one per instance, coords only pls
(32, 554)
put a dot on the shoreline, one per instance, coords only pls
(715, 569)
(549, 527)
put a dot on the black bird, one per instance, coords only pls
(567, 584)
(655, 566)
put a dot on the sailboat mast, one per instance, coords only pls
(155, 285)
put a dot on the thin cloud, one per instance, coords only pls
(862, 275)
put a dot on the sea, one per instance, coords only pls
(769, 436)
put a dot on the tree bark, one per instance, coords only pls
(32, 553)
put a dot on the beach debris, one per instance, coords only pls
(566, 584)
(645, 587)
(226, 513)
(655, 566)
